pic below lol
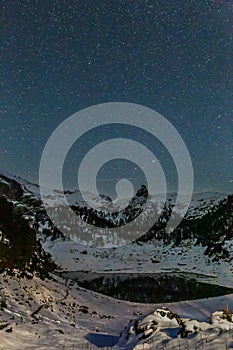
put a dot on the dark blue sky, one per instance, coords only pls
(175, 57)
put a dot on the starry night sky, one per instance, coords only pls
(175, 57)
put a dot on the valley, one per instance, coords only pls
(74, 295)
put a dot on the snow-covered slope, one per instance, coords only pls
(57, 313)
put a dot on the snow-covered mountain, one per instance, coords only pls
(23, 189)
(53, 311)
(27, 195)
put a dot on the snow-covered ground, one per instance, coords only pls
(72, 316)
(147, 257)
(57, 313)
(166, 330)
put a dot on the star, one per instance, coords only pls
(174, 57)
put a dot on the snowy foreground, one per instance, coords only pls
(57, 314)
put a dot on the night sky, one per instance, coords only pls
(175, 57)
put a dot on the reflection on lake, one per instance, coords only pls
(148, 287)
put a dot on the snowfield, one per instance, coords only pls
(58, 314)
(148, 257)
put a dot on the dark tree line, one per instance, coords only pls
(210, 230)
(19, 248)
